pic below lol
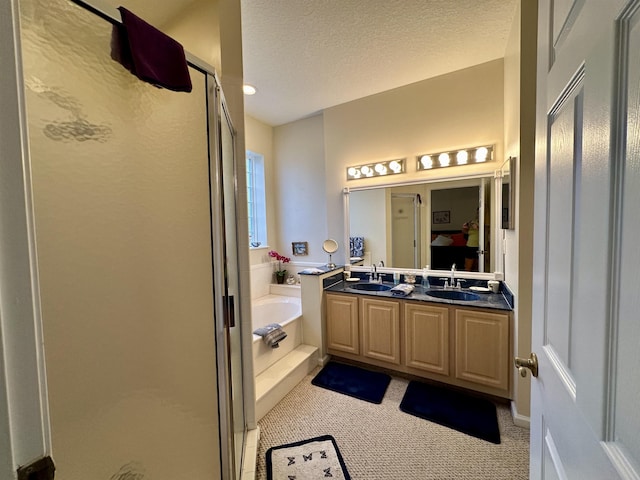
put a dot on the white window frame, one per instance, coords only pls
(256, 200)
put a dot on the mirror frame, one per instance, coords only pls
(497, 179)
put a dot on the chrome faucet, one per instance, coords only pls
(453, 276)
(374, 273)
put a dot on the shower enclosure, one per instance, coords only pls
(135, 232)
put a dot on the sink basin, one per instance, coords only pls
(453, 295)
(371, 287)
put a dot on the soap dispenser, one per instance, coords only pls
(425, 277)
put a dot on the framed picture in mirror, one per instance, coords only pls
(442, 216)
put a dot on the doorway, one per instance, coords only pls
(405, 230)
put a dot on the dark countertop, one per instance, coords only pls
(496, 301)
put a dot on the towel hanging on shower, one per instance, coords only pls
(271, 334)
(151, 55)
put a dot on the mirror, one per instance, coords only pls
(410, 226)
(330, 246)
(508, 195)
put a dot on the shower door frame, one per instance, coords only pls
(226, 306)
(25, 431)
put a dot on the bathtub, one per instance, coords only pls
(287, 312)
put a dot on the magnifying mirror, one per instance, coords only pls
(330, 246)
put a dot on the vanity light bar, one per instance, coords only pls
(453, 158)
(379, 169)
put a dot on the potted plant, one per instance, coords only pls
(280, 272)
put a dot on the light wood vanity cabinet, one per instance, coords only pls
(482, 348)
(381, 330)
(343, 331)
(426, 338)
(466, 347)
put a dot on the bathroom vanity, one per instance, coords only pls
(462, 343)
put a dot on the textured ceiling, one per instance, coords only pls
(307, 55)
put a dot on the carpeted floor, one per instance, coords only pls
(380, 442)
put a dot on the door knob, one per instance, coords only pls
(531, 363)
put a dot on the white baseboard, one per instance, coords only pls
(322, 361)
(519, 420)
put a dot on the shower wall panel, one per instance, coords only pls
(121, 199)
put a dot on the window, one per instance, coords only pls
(256, 204)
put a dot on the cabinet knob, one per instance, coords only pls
(531, 363)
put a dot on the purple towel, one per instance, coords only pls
(151, 55)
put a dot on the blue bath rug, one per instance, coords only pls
(317, 457)
(465, 413)
(353, 381)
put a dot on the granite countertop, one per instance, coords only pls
(496, 301)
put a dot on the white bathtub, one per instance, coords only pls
(284, 310)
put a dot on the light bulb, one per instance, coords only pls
(380, 168)
(352, 172)
(481, 154)
(426, 161)
(462, 157)
(444, 159)
(395, 166)
(248, 89)
(366, 170)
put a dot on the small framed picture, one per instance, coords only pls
(299, 248)
(442, 216)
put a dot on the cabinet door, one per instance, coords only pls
(342, 323)
(482, 348)
(426, 338)
(381, 330)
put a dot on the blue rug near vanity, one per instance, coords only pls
(465, 413)
(353, 381)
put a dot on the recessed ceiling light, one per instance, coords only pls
(249, 89)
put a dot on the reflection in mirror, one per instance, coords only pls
(455, 228)
(411, 226)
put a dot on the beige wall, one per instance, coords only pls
(299, 193)
(520, 62)
(526, 183)
(460, 109)
(197, 28)
(259, 139)
(512, 139)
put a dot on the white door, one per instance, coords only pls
(585, 422)
(405, 231)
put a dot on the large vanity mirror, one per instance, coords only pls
(438, 224)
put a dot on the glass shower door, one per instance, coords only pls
(120, 174)
(230, 374)
(229, 176)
